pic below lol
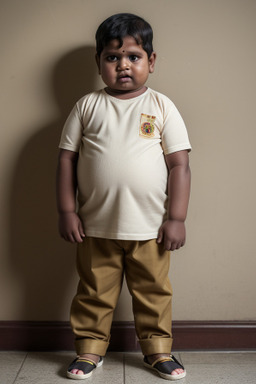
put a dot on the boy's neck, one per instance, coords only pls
(126, 95)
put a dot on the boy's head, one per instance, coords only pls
(121, 25)
(125, 55)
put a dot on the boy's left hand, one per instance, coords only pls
(173, 234)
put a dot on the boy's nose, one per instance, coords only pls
(123, 64)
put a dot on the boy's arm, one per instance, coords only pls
(70, 225)
(172, 233)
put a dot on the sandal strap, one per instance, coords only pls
(165, 359)
(80, 360)
(177, 362)
(162, 359)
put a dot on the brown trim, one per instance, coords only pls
(188, 335)
(214, 335)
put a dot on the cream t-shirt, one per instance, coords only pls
(122, 174)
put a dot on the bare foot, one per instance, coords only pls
(89, 356)
(152, 358)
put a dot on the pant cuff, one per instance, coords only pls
(96, 347)
(156, 345)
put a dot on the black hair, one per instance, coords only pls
(121, 25)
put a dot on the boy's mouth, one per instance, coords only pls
(124, 78)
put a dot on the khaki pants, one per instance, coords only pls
(101, 265)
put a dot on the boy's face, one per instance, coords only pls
(125, 70)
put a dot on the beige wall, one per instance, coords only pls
(206, 65)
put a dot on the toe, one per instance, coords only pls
(80, 373)
(77, 372)
(177, 372)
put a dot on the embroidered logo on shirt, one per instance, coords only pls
(147, 125)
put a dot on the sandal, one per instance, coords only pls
(164, 366)
(85, 365)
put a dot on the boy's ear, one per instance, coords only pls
(151, 62)
(97, 58)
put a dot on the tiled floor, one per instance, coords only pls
(127, 368)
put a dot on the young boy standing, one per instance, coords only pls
(124, 149)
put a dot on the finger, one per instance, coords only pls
(160, 236)
(180, 244)
(77, 237)
(65, 236)
(71, 238)
(68, 237)
(168, 245)
(174, 246)
(81, 229)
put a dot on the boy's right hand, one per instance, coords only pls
(70, 227)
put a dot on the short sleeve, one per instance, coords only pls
(72, 132)
(174, 132)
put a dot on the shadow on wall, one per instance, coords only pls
(43, 264)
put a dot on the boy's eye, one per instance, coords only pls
(133, 58)
(112, 58)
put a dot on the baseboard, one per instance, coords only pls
(188, 335)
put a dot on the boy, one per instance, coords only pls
(125, 150)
